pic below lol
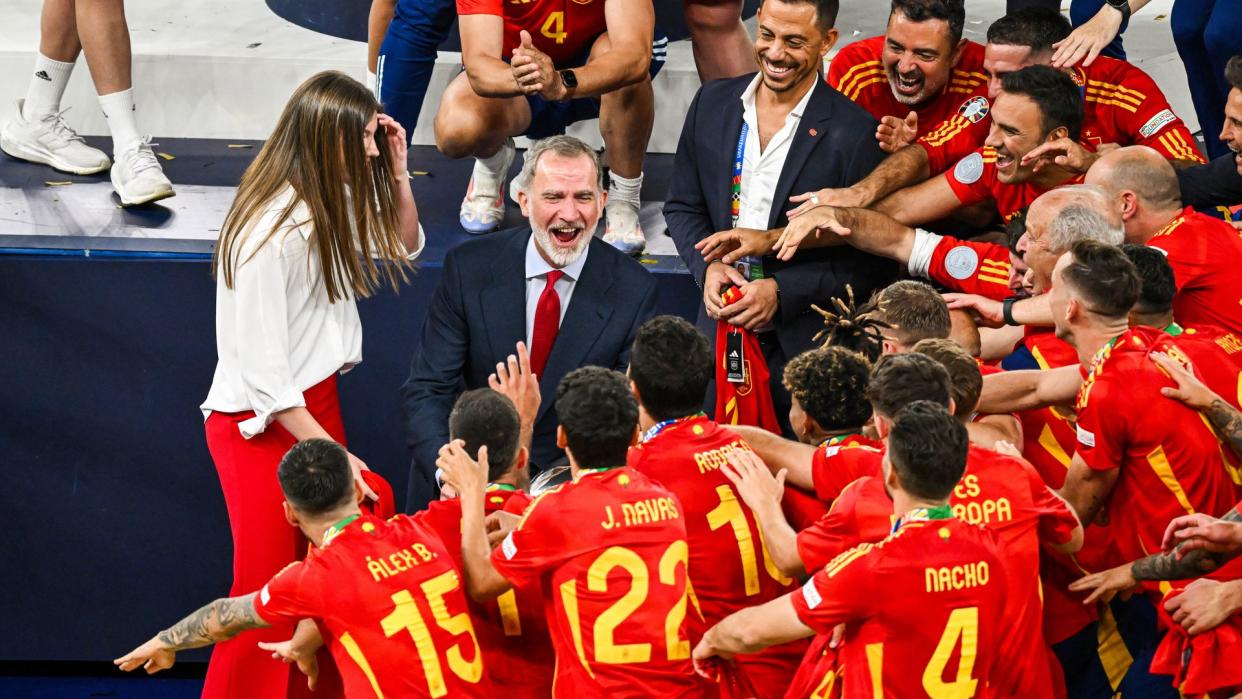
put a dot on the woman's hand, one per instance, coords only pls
(358, 466)
(398, 146)
(1088, 39)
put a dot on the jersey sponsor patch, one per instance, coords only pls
(974, 109)
(811, 595)
(1154, 124)
(969, 169)
(508, 547)
(961, 262)
(1085, 438)
(832, 451)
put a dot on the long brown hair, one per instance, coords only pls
(316, 147)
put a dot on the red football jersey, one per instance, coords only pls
(685, 457)
(836, 464)
(1202, 251)
(393, 607)
(512, 629)
(974, 180)
(1122, 105)
(857, 72)
(1048, 436)
(562, 30)
(923, 609)
(971, 267)
(999, 492)
(1172, 462)
(610, 551)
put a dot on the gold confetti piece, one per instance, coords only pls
(419, 173)
(167, 156)
(1160, 17)
(57, 184)
(240, 145)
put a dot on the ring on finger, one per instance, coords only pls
(815, 199)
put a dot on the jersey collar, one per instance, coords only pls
(335, 530)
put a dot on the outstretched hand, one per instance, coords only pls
(894, 133)
(515, 380)
(1103, 587)
(151, 656)
(821, 219)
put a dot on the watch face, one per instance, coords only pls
(570, 80)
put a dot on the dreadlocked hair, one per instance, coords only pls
(852, 326)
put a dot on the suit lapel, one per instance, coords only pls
(811, 129)
(585, 319)
(504, 299)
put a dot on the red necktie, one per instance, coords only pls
(547, 322)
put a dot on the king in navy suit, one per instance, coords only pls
(573, 299)
(748, 144)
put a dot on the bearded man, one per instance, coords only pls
(550, 286)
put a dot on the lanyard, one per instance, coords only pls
(1173, 330)
(923, 514)
(838, 439)
(659, 427)
(500, 486)
(751, 267)
(336, 529)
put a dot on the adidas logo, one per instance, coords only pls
(42, 75)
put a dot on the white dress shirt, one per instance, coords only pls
(762, 170)
(537, 270)
(276, 333)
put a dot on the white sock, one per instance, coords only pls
(47, 86)
(119, 110)
(624, 189)
(489, 169)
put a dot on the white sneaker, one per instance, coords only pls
(623, 231)
(50, 141)
(137, 176)
(484, 206)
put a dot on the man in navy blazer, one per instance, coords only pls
(495, 292)
(777, 133)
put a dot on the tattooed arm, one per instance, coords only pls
(1194, 394)
(215, 622)
(1181, 561)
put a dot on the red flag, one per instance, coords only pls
(747, 400)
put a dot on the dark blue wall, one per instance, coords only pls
(112, 524)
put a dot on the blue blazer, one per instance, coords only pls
(834, 147)
(478, 315)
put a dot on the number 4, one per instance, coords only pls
(964, 624)
(554, 27)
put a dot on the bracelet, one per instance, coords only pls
(1007, 310)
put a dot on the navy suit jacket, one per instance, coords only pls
(477, 317)
(835, 146)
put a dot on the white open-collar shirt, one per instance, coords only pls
(761, 171)
(276, 333)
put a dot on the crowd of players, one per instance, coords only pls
(1022, 481)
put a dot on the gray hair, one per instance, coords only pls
(564, 146)
(1084, 215)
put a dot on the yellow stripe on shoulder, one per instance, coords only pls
(851, 76)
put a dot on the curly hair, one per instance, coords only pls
(852, 327)
(830, 383)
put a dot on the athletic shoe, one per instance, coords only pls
(50, 141)
(137, 176)
(484, 206)
(623, 231)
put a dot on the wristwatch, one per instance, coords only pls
(1122, 6)
(1007, 310)
(570, 81)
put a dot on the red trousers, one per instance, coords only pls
(263, 544)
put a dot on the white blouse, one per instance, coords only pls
(276, 333)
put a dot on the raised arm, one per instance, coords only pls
(904, 168)
(1191, 391)
(930, 200)
(780, 454)
(761, 491)
(215, 622)
(1029, 389)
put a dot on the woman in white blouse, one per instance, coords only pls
(324, 215)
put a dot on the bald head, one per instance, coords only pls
(1141, 170)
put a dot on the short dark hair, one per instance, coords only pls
(1159, 286)
(965, 379)
(1056, 94)
(901, 379)
(671, 366)
(830, 384)
(825, 11)
(914, 311)
(485, 418)
(599, 415)
(1104, 277)
(927, 448)
(1015, 228)
(1034, 27)
(315, 476)
(952, 12)
(1233, 72)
